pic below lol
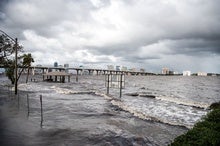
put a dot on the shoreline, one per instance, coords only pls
(205, 132)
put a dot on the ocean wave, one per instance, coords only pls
(145, 116)
(137, 113)
(69, 91)
(184, 102)
(172, 99)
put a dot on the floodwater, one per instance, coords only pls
(153, 110)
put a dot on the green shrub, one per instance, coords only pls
(204, 133)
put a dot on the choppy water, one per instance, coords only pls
(153, 110)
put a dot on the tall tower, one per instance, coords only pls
(55, 64)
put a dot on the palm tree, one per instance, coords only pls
(27, 60)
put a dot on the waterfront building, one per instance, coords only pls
(123, 68)
(132, 70)
(142, 70)
(171, 72)
(55, 64)
(202, 74)
(66, 66)
(165, 71)
(186, 73)
(117, 68)
(110, 67)
(37, 71)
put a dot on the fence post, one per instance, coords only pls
(41, 107)
(18, 100)
(28, 104)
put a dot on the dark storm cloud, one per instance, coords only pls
(122, 31)
(3, 3)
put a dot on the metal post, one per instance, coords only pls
(16, 67)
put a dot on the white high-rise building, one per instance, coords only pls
(187, 73)
(165, 71)
(202, 74)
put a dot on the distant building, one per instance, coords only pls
(132, 70)
(186, 73)
(37, 71)
(171, 72)
(212, 74)
(123, 68)
(110, 67)
(66, 66)
(165, 71)
(55, 64)
(142, 70)
(202, 74)
(117, 68)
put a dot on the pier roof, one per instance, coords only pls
(56, 73)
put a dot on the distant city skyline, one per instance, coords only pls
(148, 34)
(164, 70)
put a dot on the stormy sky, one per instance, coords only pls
(150, 34)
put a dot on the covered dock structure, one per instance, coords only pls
(56, 76)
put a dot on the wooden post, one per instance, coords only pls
(121, 85)
(97, 72)
(43, 77)
(18, 101)
(108, 84)
(63, 79)
(77, 73)
(41, 108)
(28, 104)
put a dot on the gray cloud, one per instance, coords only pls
(145, 33)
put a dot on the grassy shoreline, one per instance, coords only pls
(204, 133)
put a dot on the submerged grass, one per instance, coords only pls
(204, 133)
